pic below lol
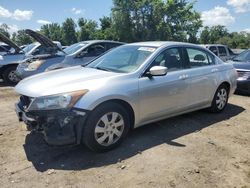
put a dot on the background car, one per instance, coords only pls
(4, 48)
(77, 54)
(222, 51)
(241, 63)
(10, 61)
(130, 86)
(83, 52)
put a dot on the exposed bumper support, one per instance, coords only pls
(59, 127)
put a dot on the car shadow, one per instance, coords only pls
(3, 84)
(240, 93)
(46, 157)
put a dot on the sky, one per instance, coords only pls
(32, 14)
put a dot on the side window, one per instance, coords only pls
(170, 58)
(40, 50)
(222, 51)
(199, 58)
(95, 50)
(230, 51)
(214, 50)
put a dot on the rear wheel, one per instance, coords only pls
(9, 75)
(106, 127)
(220, 99)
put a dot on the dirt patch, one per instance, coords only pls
(193, 150)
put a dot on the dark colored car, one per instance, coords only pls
(241, 63)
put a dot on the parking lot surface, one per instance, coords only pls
(198, 149)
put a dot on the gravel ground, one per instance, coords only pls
(198, 149)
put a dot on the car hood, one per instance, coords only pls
(4, 39)
(63, 81)
(30, 59)
(43, 40)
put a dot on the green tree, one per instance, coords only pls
(52, 31)
(106, 22)
(21, 38)
(205, 36)
(155, 20)
(106, 32)
(88, 29)
(69, 32)
(217, 32)
(184, 22)
(210, 35)
(4, 29)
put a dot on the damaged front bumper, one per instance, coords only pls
(59, 127)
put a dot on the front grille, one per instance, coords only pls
(25, 101)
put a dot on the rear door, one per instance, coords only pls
(201, 73)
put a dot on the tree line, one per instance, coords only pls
(140, 20)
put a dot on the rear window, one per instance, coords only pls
(199, 58)
(112, 45)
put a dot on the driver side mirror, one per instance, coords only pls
(157, 71)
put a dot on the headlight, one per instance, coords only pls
(60, 101)
(34, 65)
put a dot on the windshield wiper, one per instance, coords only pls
(102, 68)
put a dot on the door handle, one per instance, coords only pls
(214, 70)
(183, 77)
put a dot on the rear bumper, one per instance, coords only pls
(243, 86)
(59, 127)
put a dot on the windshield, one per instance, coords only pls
(28, 48)
(124, 59)
(244, 56)
(74, 48)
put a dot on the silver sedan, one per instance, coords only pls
(126, 88)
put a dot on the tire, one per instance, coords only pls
(9, 75)
(106, 127)
(220, 99)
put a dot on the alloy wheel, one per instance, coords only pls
(109, 128)
(12, 76)
(221, 98)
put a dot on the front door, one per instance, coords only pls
(163, 95)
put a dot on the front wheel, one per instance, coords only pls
(9, 75)
(220, 99)
(106, 127)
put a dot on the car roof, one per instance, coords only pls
(158, 44)
(213, 45)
